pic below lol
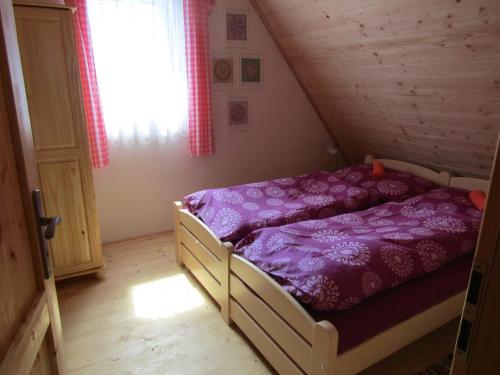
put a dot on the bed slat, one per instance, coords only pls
(280, 362)
(294, 345)
(204, 255)
(201, 232)
(272, 293)
(202, 275)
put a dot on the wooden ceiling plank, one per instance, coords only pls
(418, 78)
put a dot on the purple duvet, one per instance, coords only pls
(335, 263)
(234, 212)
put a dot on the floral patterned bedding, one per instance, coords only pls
(335, 263)
(234, 212)
(394, 186)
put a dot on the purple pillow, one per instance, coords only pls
(394, 186)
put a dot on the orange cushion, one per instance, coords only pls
(478, 198)
(378, 168)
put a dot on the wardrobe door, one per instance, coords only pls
(50, 69)
(63, 195)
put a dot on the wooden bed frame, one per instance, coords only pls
(280, 328)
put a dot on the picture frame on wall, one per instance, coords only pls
(250, 70)
(238, 113)
(237, 27)
(222, 70)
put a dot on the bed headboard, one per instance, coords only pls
(440, 178)
(469, 183)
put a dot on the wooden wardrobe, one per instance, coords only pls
(48, 55)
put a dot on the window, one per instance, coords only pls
(141, 67)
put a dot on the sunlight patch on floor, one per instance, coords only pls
(165, 298)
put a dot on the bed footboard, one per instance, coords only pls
(294, 343)
(278, 325)
(204, 255)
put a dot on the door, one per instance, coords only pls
(30, 325)
(478, 343)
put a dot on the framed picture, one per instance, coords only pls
(237, 30)
(222, 70)
(251, 70)
(238, 113)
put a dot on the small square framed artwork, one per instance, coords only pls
(238, 113)
(222, 70)
(251, 70)
(237, 27)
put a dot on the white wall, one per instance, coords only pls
(135, 193)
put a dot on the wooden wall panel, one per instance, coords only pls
(416, 80)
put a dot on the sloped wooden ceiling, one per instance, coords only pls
(417, 80)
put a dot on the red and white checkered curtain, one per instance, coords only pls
(96, 131)
(201, 135)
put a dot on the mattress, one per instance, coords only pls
(395, 305)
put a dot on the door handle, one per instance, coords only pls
(50, 224)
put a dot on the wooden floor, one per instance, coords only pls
(126, 323)
(148, 316)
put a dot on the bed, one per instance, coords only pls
(297, 341)
(203, 253)
(293, 339)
